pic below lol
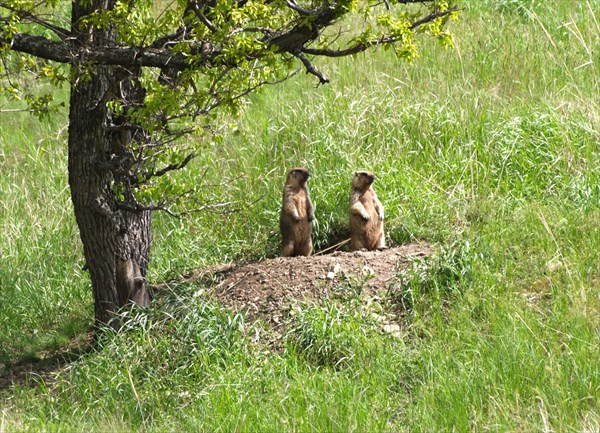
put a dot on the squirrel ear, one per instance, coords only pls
(355, 173)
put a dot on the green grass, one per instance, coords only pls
(44, 297)
(490, 150)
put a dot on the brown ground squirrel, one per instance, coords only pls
(366, 214)
(297, 214)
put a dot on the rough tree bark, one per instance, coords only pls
(116, 242)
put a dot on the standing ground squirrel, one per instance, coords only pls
(297, 214)
(366, 214)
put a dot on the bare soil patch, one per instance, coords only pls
(269, 288)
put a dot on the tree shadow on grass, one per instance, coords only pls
(31, 370)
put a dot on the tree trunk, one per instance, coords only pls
(116, 242)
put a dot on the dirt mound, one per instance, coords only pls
(267, 289)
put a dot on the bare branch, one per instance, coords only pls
(138, 207)
(294, 6)
(168, 168)
(220, 205)
(18, 110)
(166, 206)
(341, 53)
(198, 12)
(310, 68)
(208, 207)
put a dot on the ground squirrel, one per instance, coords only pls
(297, 214)
(366, 214)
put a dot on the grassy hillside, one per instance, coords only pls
(490, 151)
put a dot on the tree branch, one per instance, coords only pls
(300, 34)
(294, 6)
(23, 14)
(68, 52)
(203, 53)
(433, 16)
(168, 168)
(197, 9)
(310, 68)
(360, 47)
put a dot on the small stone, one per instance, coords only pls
(393, 329)
(330, 275)
(367, 270)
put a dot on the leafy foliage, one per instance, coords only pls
(215, 53)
